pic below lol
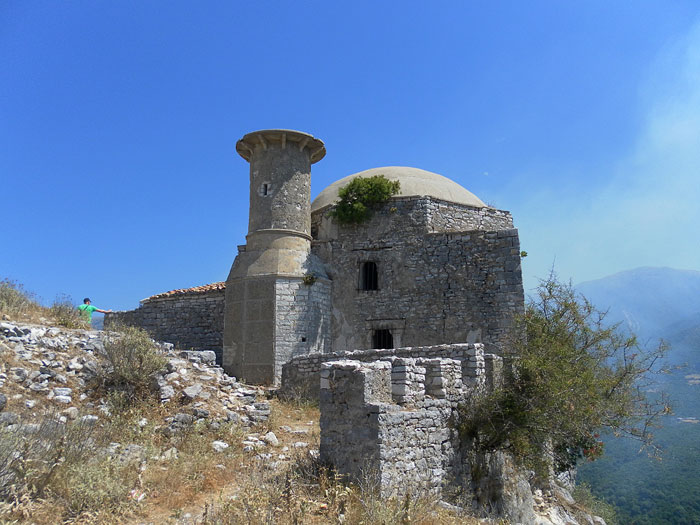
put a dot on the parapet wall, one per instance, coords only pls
(393, 424)
(422, 215)
(388, 422)
(190, 321)
(450, 217)
(301, 375)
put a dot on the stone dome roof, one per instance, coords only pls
(414, 182)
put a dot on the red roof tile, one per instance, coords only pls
(194, 290)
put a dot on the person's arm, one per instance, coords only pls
(103, 311)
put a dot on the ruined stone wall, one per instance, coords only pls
(300, 376)
(391, 424)
(390, 421)
(434, 287)
(190, 321)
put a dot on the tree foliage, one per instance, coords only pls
(570, 376)
(361, 196)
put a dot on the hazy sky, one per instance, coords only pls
(118, 122)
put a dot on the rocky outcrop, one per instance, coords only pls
(47, 369)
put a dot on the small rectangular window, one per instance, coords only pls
(264, 189)
(382, 338)
(369, 278)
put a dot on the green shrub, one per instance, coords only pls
(572, 376)
(586, 499)
(66, 314)
(361, 196)
(132, 360)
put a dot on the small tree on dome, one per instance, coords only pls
(361, 196)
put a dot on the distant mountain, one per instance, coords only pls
(652, 302)
(656, 303)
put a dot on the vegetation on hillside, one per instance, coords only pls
(648, 491)
(361, 196)
(123, 465)
(18, 303)
(571, 377)
(132, 360)
(67, 474)
(15, 300)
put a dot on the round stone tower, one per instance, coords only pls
(270, 312)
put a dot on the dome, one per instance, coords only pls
(414, 182)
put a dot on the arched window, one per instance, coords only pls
(368, 276)
(382, 338)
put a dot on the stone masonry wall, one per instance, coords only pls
(301, 375)
(427, 214)
(434, 286)
(190, 321)
(390, 421)
(302, 317)
(450, 217)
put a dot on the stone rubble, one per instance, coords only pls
(47, 369)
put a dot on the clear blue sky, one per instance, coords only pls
(118, 123)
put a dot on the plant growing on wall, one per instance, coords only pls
(361, 196)
(572, 378)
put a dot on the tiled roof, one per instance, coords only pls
(194, 290)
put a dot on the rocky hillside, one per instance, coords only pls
(201, 448)
(52, 369)
(73, 449)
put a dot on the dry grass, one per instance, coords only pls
(15, 301)
(64, 313)
(309, 493)
(19, 304)
(175, 483)
(218, 488)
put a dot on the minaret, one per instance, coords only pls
(269, 304)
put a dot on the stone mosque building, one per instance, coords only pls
(433, 266)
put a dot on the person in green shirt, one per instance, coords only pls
(86, 310)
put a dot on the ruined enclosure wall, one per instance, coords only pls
(190, 321)
(392, 424)
(301, 375)
(433, 287)
(389, 421)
